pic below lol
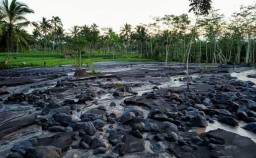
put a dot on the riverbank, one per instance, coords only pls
(130, 109)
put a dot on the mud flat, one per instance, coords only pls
(128, 110)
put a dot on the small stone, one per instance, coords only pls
(229, 121)
(14, 155)
(211, 146)
(100, 150)
(137, 134)
(84, 145)
(112, 104)
(96, 142)
(172, 137)
(186, 148)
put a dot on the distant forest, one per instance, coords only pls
(212, 38)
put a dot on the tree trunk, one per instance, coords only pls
(247, 57)
(238, 54)
(166, 54)
(206, 60)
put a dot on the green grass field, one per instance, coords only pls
(56, 59)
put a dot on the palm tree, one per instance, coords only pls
(74, 31)
(60, 36)
(125, 32)
(56, 22)
(1, 22)
(140, 35)
(14, 20)
(44, 26)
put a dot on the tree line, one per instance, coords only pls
(208, 38)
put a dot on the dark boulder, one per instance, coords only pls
(57, 129)
(63, 118)
(53, 105)
(127, 117)
(137, 134)
(43, 152)
(241, 115)
(98, 124)
(63, 109)
(14, 155)
(92, 116)
(115, 137)
(250, 127)
(199, 121)
(100, 150)
(229, 121)
(133, 144)
(16, 124)
(96, 143)
(88, 127)
(22, 146)
(60, 140)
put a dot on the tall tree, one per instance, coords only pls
(56, 24)
(45, 26)
(140, 36)
(125, 33)
(14, 20)
(199, 7)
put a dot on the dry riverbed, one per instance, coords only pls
(128, 110)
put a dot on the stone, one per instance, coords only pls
(133, 144)
(172, 137)
(63, 109)
(63, 118)
(115, 137)
(88, 127)
(96, 143)
(250, 104)
(118, 94)
(16, 124)
(91, 116)
(207, 102)
(138, 126)
(43, 152)
(137, 134)
(112, 104)
(22, 146)
(87, 139)
(186, 148)
(198, 121)
(229, 121)
(126, 117)
(98, 123)
(157, 147)
(100, 150)
(53, 105)
(14, 155)
(211, 146)
(84, 145)
(103, 108)
(57, 129)
(241, 115)
(250, 127)
(59, 140)
(119, 149)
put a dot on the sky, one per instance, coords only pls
(115, 13)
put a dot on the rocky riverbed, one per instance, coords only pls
(128, 110)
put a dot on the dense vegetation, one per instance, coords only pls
(209, 37)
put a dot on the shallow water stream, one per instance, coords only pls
(107, 98)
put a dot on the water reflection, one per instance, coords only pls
(243, 75)
(240, 75)
(237, 130)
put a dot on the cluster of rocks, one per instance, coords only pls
(156, 124)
